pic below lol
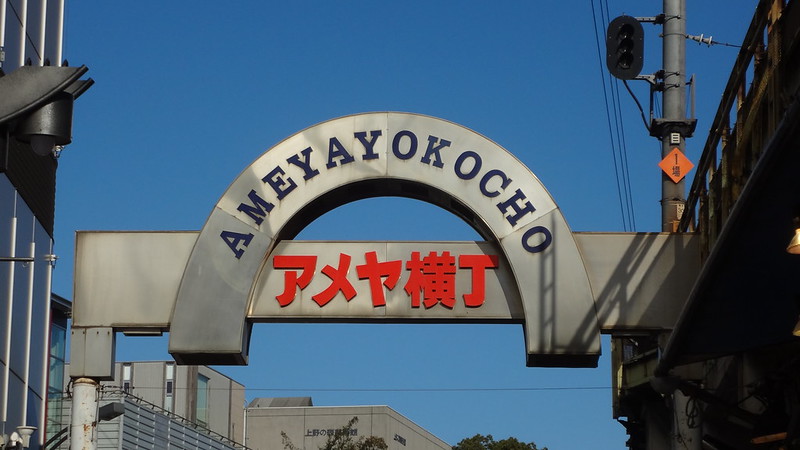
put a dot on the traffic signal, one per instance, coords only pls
(625, 47)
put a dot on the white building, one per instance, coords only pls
(159, 404)
(308, 426)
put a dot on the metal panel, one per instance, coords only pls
(561, 328)
(108, 434)
(28, 87)
(128, 279)
(144, 428)
(92, 352)
(221, 284)
(640, 280)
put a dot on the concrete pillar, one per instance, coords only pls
(686, 430)
(83, 425)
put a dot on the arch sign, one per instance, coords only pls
(237, 253)
(243, 266)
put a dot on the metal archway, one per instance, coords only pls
(378, 154)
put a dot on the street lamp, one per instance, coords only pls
(37, 105)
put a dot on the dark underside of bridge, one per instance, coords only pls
(748, 293)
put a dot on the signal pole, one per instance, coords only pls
(624, 53)
(673, 130)
(674, 127)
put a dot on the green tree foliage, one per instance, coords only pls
(343, 439)
(481, 442)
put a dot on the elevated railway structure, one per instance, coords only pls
(735, 350)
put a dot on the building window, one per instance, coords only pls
(58, 340)
(202, 400)
(126, 378)
(169, 387)
(55, 380)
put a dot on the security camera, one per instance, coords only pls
(49, 126)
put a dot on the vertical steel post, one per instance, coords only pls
(45, 335)
(8, 322)
(686, 433)
(674, 65)
(83, 423)
(2, 33)
(26, 364)
(22, 9)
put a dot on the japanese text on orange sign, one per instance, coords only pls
(431, 280)
(675, 165)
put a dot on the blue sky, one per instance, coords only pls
(188, 94)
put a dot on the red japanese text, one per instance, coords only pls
(431, 278)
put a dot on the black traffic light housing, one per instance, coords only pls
(625, 47)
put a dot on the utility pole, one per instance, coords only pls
(673, 130)
(674, 127)
(680, 429)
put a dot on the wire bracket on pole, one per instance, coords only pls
(660, 127)
(655, 20)
(652, 79)
(655, 86)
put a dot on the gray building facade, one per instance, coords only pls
(31, 33)
(197, 397)
(36, 98)
(308, 426)
(24, 315)
(160, 405)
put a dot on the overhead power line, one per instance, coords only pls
(615, 125)
(517, 389)
(433, 389)
(709, 41)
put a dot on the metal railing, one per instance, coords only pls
(117, 393)
(57, 439)
(732, 149)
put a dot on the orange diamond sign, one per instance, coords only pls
(676, 165)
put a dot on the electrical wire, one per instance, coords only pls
(623, 157)
(561, 388)
(641, 110)
(608, 118)
(709, 41)
(615, 130)
(301, 389)
(623, 146)
(627, 178)
(657, 108)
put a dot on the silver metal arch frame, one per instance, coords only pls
(380, 154)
